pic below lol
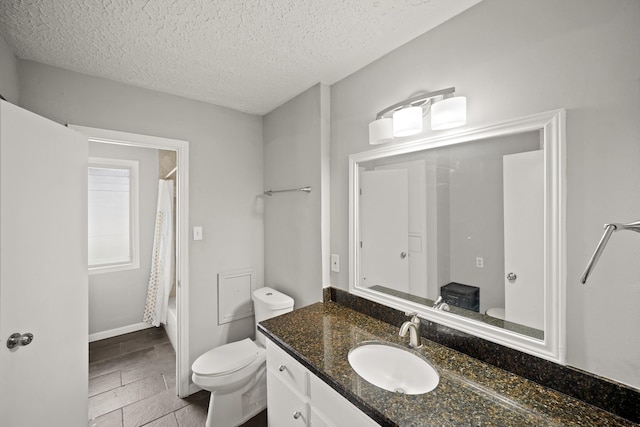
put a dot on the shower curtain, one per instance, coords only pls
(163, 258)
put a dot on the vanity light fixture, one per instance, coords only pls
(447, 111)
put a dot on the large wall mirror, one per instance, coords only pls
(467, 230)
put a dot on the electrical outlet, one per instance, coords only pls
(480, 262)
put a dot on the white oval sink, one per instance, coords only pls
(393, 368)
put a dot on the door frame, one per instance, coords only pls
(183, 368)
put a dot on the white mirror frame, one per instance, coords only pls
(552, 125)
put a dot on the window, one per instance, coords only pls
(113, 215)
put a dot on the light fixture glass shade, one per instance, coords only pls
(407, 121)
(449, 113)
(381, 131)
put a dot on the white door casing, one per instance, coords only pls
(183, 366)
(43, 271)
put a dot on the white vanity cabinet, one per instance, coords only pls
(296, 397)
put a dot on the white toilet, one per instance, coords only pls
(496, 312)
(235, 373)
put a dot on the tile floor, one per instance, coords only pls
(132, 383)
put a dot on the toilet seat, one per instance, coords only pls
(226, 359)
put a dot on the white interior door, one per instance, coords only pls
(417, 190)
(43, 271)
(384, 229)
(524, 238)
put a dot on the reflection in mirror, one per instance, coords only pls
(454, 222)
(467, 230)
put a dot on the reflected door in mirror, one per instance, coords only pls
(385, 229)
(524, 238)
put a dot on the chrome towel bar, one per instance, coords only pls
(304, 189)
(608, 231)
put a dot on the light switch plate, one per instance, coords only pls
(335, 263)
(197, 233)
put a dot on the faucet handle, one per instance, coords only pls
(413, 315)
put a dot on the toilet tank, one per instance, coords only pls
(268, 303)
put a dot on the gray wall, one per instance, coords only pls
(117, 299)
(293, 145)
(513, 58)
(8, 73)
(225, 174)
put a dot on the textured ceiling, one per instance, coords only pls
(247, 55)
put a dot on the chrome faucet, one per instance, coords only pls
(440, 304)
(413, 327)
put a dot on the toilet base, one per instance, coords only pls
(236, 408)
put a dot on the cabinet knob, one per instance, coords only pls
(512, 277)
(297, 415)
(282, 368)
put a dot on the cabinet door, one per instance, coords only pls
(287, 368)
(317, 419)
(329, 408)
(286, 407)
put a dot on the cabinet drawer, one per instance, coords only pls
(286, 407)
(331, 409)
(286, 368)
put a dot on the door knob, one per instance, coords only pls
(511, 277)
(17, 339)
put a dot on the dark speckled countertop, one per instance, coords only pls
(470, 392)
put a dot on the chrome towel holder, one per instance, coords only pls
(608, 231)
(303, 189)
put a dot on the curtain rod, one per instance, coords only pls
(171, 173)
(305, 189)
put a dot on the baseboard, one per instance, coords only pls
(118, 331)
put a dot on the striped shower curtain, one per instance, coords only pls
(163, 258)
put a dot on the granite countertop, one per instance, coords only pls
(470, 392)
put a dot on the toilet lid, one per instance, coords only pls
(226, 358)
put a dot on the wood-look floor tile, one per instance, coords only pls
(170, 379)
(152, 408)
(165, 348)
(104, 352)
(166, 421)
(165, 364)
(107, 342)
(124, 361)
(125, 395)
(259, 420)
(191, 416)
(112, 419)
(104, 383)
(200, 398)
(147, 340)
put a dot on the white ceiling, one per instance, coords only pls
(249, 55)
